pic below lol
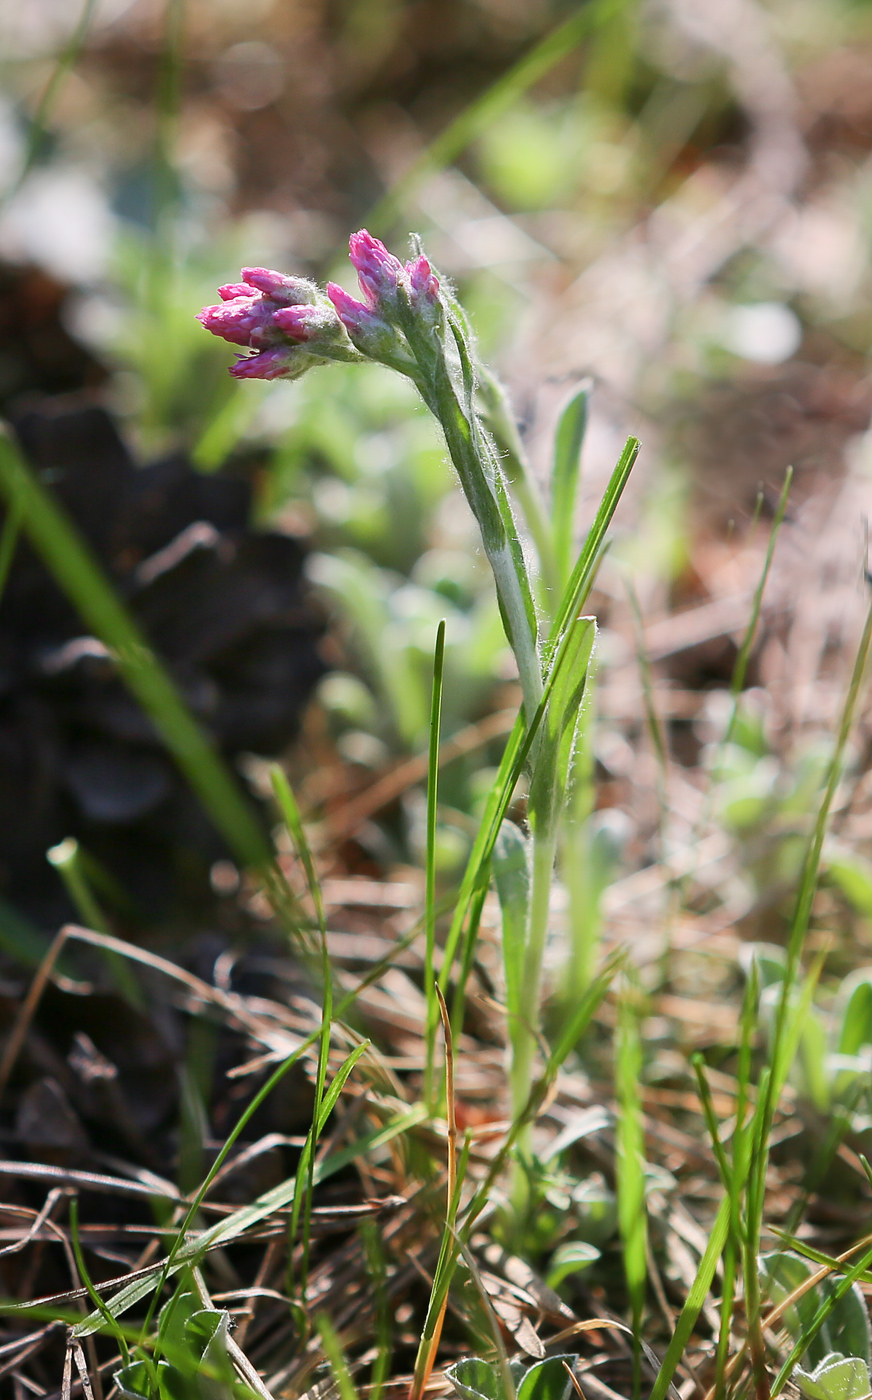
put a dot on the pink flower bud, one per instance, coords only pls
(280, 362)
(378, 271)
(305, 322)
(242, 321)
(230, 290)
(285, 290)
(423, 282)
(356, 317)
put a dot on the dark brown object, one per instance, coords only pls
(225, 607)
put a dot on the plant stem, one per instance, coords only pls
(526, 1027)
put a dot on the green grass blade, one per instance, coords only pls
(290, 811)
(81, 578)
(243, 1219)
(336, 1356)
(568, 442)
(511, 867)
(338, 1084)
(430, 876)
(86, 1280)
(630, 1168)
(9, 541)
(694, 1302)
(66, 859)
(305, 1179)
(711, 1123)
(583, 574)
(741, 666)
(384, 1325)
(498, 99)
(64, 65)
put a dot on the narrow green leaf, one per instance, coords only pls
(497, 99)
(694, 1302)
(430, 874)
(568, 442)
(235, 1225)
(338, 1084)
(630, 1166)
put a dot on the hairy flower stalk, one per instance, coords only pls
(405, 319)
(408, 321)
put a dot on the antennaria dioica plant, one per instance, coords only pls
(411, 322)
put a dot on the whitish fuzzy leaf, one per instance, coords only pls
(547, 1380)
(836, 1378)
(846, 1331)
(511, 868)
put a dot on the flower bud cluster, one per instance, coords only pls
(287, 321)
(392, 293)
(291, 325)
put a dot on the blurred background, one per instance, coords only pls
(670, 197)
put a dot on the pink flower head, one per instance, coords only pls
(243, 320)
(423, 282)
(305, 322)
(230, 290)
(275, 315)
(356, 316)
(287, 291)
(378, 271)
(280, 362)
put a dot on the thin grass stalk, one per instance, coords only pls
(652, 719)
(728, 1298)
(431, 990)
(450, 1246)
(583, 888)
(381, 1366)
(630, 1169)
(735, 1245)
(693, 1304)
(336, 1357)
(239, 1128)
(9, 538)
(85, 1276)
(741, 666)
(779, 1057)
(506, 1377)
(470, 943)
(64, 65)
(66, 859)
(430, 1341)
(303, 1197)
(740, 669)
